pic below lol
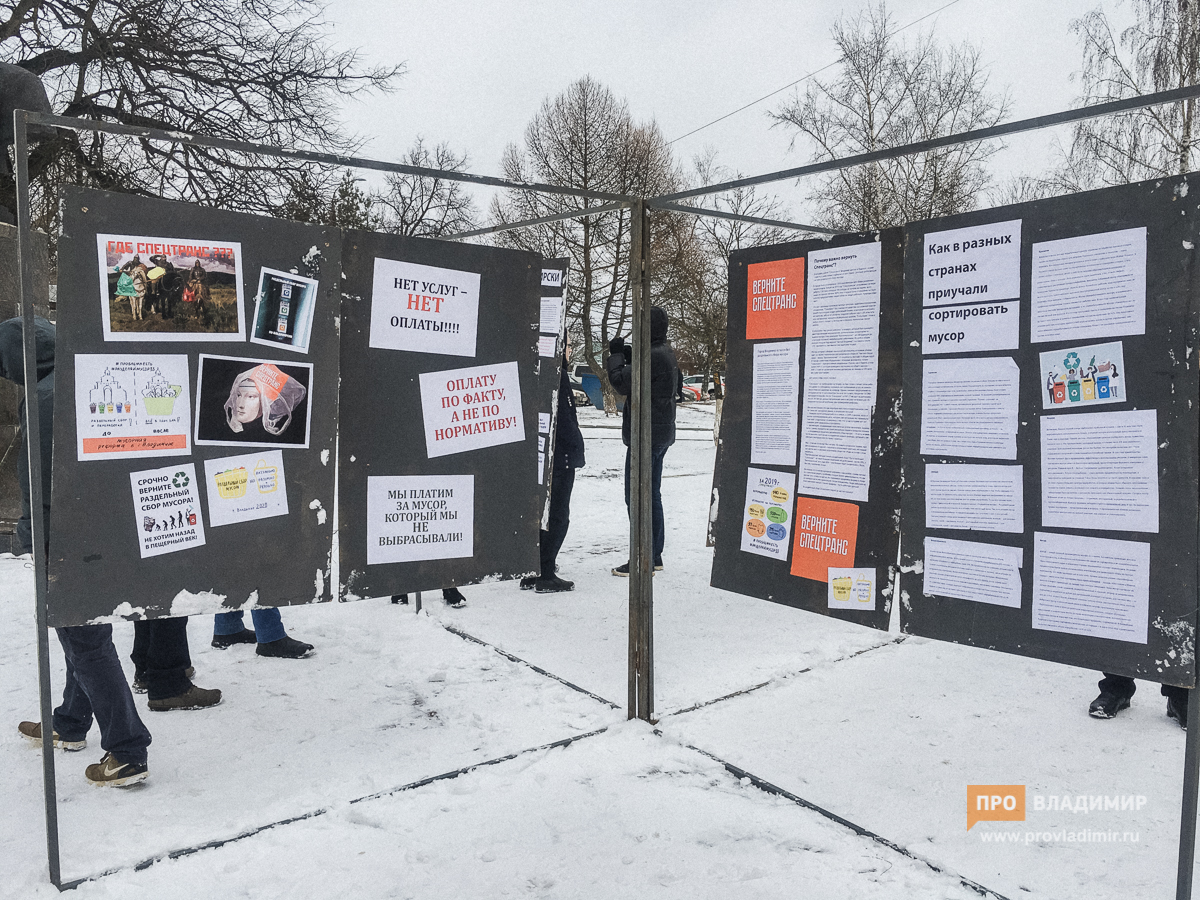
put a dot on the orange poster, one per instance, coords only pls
(775, 299)
(825, 531)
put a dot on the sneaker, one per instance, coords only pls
(285, 648)
(454, 598)
(1107, 705)
(193, 698)
(528, 582)
(623, 569)
(1175, 709)
(111, 772)
(32, 731)
(400, 598)
(553, 585)
(225, 641)
(139, 681)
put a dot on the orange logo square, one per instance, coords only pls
(775, 299)
(825, 532)
(995, 803)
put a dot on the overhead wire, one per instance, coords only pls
(805, 77)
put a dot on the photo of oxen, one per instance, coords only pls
(170, 289)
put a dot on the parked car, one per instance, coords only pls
(697, 382)
(691, 392)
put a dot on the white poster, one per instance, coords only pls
(550, 317)
(1086, 375)
(1091, 586)
(851, 588)
(982, 262)
(552, 278)
(1090, 286)
(774, 408)
(412, 517)
(969, 407)
(245, 488)
(466, 409)
(1100, 471)
(283, 310)
(768, 513)
(841, 368)
(547, 344)
(166, 505)
(970, 329)
(128, 407)
(426, 309)
(969, 570)
(974, 498)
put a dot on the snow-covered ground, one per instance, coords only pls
(884, 733)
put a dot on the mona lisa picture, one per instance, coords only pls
(252, 402)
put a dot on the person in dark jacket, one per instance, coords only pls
(664, 380)
(568, 456)
(95, 684)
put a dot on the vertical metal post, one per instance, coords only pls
(641, 534)
(33, 447)
(417, 605)
(1191, 781)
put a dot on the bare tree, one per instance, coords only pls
(586, 138)
(701, 312)
(888, 94)
(252, 70)
(1159, 52)
(426, 207)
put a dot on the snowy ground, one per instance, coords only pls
(885, 734)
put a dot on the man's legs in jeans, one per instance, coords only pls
(96, 684)
(160, 656)
(561, 485)
(658, 520)
(268, 624)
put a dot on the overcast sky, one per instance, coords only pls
(478, 71)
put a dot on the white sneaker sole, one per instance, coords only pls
(121, 782)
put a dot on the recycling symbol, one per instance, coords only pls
(1072, 360)
(181, 480)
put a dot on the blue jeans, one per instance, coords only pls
(96, 686)
(268, 624)
(656, 517)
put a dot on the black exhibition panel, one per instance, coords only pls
(1076, 539)
(172, 496)
(798, 575)
(439, 472)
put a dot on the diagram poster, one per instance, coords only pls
(768, 512)
(812, 414)
(775, 299)
(426, 308)
(453, 410)
(162, 508)
(129, 406)
(1051, 481)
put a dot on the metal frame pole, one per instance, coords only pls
(641, 534)
(1191, 781)
(33, 444)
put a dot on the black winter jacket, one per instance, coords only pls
(568, 439)
(12, 367)
(664, 376)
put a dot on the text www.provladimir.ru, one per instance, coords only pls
(1060, 837)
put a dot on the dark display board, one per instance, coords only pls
(551, 338)
(1050, 430)
(817, 325)
(194, 429)
(439, 477)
